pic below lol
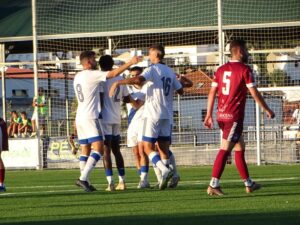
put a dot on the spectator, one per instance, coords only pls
(14, 122)
(296, 116)
(40, 108)
(25, 126)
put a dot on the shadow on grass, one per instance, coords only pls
(278, 218)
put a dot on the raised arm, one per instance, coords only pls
(121, 69)
(261, 102)
(185, 82)
(139, 80)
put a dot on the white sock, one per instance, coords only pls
(155, 158)
(90, 164)
(121, 179)
(82, 164)
(214, 182)
(248, 182)
(144, 176)
(157, 173)
(166, 162)
(110, 179)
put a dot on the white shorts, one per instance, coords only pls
(134, 134)
(89, 131)
(156, 130)
(111, 130)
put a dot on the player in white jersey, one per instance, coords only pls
(157, 115)
(134, 134)
(111, 124)
(86, 85)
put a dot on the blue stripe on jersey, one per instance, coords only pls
(149, 139)
(164, 138)
(131, 115)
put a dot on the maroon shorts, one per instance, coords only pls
(3, 136)
(232, 131)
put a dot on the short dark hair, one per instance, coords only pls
(160, 50)
(106, 62)
(136, 68)
(23, 113)
(14, 112)
(86, 55)
(237, 43)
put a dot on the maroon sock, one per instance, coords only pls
(2, 175)
(241, 164)
(220, 163)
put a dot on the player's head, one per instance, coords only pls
(106, 63)
(136, 71)
(40, 90)
(238, 50)
(88, 60)
(156, 53)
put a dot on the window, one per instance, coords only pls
(20, 93)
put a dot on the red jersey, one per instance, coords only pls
(232, 80)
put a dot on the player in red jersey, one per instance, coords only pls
(231, 83)
(3, 147)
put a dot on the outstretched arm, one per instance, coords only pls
(134, 80)
(261, 102)
(208, 121)
(185, 82)
(121, 69)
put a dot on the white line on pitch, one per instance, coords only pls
(129, 185)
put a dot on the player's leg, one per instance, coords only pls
(229, 131)
(115, 146)
(107, 162)
(144, 162)
(241, 165)
(176, 178)
(135, 151)
(2, 175)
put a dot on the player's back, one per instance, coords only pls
(111, 112)
(232, 80)
(159, 94)
(86, 85)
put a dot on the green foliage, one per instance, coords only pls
(278, 78)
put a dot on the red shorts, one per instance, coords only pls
(232, 131)
(3, 136)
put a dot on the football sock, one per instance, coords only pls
(121, 172)
(219, 163)
(155, 159)
(144, 173)
(173, 163)
(82, 162)
(109, 176)
(90, 164)
(242, 167)
(166, 162)
(157, 172)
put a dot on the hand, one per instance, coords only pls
(135, 59)
(270, 114)
(208, 122)
(112, 89)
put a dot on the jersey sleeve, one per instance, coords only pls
(147, 74)
(176, 84)
(215, 81)
(249, 78)
(100, 75)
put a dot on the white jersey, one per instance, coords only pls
(162, 82)
(296, 115)
(136, 94)
(111, 112)
(86, 85)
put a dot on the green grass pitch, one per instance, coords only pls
(50, 197)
